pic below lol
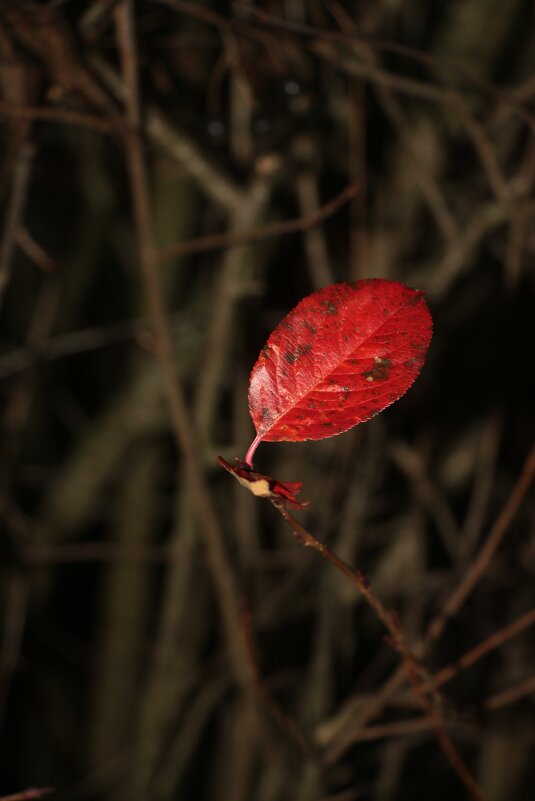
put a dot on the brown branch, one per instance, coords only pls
(379, 76)
(399, 728)
(231, 239)
(412, 464)
(483, 648)
(64, 116)
(212, 179)
(512, 694)
(518, 233)
(15, 209)
(180, 420)
(305, 152)
(396, 680)
(71, 344)
(357, 126)
(482, 484)
(409, 726)
(418, 677)
(287, 726)
(510, 99)
(486, 152)
(485, 219)
(34, 251)
(429, 186)
(482, 561)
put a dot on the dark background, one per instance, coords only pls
(133, 569)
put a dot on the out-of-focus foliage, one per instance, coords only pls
(119, 674)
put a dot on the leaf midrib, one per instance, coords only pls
(312, 387)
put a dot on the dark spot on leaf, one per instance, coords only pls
(380, 371)
(265, 351)
(416, 298)
(418, 345)
(319, 316)
(303, 350)
(329, 306)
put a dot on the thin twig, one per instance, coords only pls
(422, 724)
(509, 99)
(281, 718)
(484, 475)
(515, 245)
(460, 253)
(233, 277)
(512, 694)
(305, 151)
(21, 177)
(412, 464)
(482, 561)
(71, 344)
(486, 152)
(358, 171)
(342, 739)
(63, 116)
(34, 251)
(210, 176)
(181, 424)
(429, 186)
(483, 648)
(379, 76)
(416, 674)
(399, 728)
(232, 238)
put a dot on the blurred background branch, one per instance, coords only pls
(174, 177)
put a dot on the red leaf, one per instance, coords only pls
(341, 356)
